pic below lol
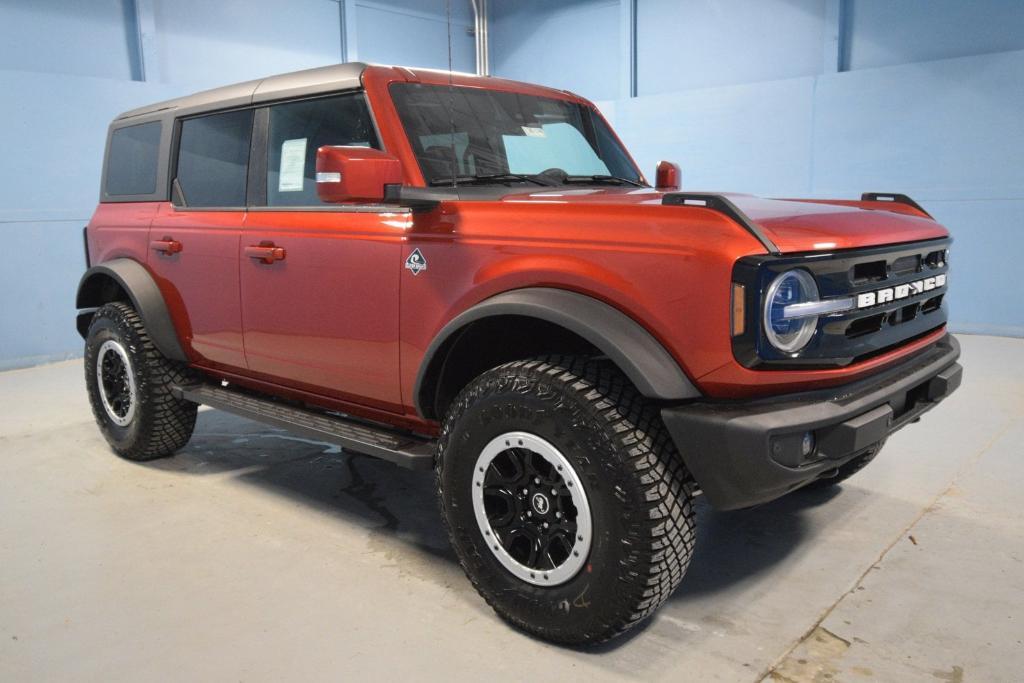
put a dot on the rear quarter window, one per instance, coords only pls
(213, 159)
(132, 160)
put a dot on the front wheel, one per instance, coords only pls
(566, 501)
(130, 387)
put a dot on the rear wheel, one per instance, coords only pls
(565, 499)
(129, 383)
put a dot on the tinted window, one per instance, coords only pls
(297, 130)
(213, 159)
(472, 133)
(132, 159)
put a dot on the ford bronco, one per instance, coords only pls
(471, 275)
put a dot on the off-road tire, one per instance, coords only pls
(639, 494)
(846, 470)
(161, 423)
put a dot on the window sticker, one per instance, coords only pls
(534, 131)
(293, 165)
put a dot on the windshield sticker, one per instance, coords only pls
(534, 131)
(293, 165)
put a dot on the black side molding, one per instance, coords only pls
(94, 290)
(721, 204)
(894, 197)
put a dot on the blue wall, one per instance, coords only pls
(774, 97)
(569, 44)
(702, 43)
(413, 32)
(92, 37)
(887, 32)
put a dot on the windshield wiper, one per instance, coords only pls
(599, 178)
(488, 178)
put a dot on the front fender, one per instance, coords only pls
(647, 364)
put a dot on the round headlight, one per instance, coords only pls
(787, 333)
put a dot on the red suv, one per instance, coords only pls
(471, 275)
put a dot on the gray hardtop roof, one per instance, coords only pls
(295, 84)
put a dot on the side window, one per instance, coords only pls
(297, 130)
(132, 160)
(213, 159)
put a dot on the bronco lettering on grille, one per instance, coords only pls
(887, 294)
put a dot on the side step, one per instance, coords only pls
(400, 448)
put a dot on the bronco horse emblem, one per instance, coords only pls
(416, 262)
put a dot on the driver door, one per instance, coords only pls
(319, 283)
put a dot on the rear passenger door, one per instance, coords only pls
(194, 240)
(321, 314)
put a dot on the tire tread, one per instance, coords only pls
(168, 422)
(662, 531)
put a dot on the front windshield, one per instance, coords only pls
(472, 135)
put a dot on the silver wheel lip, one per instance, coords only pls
(584, 522)
(113, 346)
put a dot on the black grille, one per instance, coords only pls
(847, 337)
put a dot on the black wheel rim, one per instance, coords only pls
(116, 383)
(532, 509)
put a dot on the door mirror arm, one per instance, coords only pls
(419, 199)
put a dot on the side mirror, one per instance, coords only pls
(666, 177)
(349, 174)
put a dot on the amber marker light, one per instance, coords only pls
(739, 309)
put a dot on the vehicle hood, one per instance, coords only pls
(793, 225)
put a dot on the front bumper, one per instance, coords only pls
(745, 453)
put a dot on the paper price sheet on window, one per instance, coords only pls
(293, 165)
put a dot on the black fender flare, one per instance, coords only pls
(643, 359)
(145, 298)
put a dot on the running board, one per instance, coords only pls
(403, 449)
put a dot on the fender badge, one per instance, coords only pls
(416, 262)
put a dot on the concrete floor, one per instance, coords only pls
(253, 555)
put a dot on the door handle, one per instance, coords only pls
(265, 252)
(166, 246)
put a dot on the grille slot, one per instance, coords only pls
(868, 325)
(932, 304)
(871, 271)
(936, 259)
(905, 265)
(908, 313)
